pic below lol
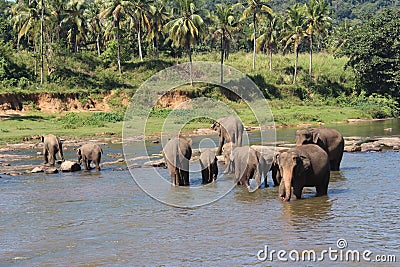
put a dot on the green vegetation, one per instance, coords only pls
(317, 60)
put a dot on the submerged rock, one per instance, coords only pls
(37, 169)
(51, 170)
(70, 166)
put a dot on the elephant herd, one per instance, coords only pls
(317, 152)
(87, 153)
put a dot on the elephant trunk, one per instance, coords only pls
(285, 187)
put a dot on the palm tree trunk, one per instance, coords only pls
(139, 42)
(190, 65)
(98, 44)
(42, 44)
(118, 48)
(254, 41)
(311, 48)
(270, 59)
(296, 62)
(222, 58)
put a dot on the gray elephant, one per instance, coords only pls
(303, 166)
(209, 167)
(276, 174)
(52, 145)
(89, 152)
(230, 129)
(177, 153)
(328, 139)
(248, 163)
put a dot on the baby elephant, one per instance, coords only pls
(248, 163)
(209, 167)
(88, 153)
(52, 145)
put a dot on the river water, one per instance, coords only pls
(104, 218)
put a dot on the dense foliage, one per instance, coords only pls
(92, 44)
(373, 48)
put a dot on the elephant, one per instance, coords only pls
(90, 152)
(328, 139)
(230, 129)
(177, 153)
(209, 167)
(248, 163)
(52, 145)
(276, 174)
(226, 152)
(303, 166)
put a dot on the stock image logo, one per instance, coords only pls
(193, 178)
(340, 253)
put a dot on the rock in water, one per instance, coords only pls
(51, 170)
(37, 169)
(70, 166)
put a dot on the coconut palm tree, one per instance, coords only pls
(186, 29)
(93, 23)
(141, 12)
(269, 39)
(76, 21)
(224, 21)
(295, 30)
(159, 17)
(255, 9)
(116, 10)
(318, 22)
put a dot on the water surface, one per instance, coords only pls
(104, 218)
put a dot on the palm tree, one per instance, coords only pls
(115, 9)
(76, 20)
(141, 12)
(318, 21)
(224, 20)
(295, 30)
(186, 29)
(255, 9)
(269, 39)
(159, 17)
(28, 20)
(93, 23)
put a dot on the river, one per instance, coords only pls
(104, 218)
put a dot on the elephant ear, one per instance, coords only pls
(315, 136)
(306, 162)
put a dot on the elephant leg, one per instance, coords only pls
(61, 154)
(45, 155)
(322, 189)
(297, 191)
(334, 164)
(86, 163)
(52, 158)
(221, 143)
(97, 165)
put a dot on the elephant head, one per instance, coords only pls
(307, 136)
(292, 166)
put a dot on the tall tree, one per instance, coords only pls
(255, 9)
(141, 12)
(295, 31)
(159, 18)
(318, 22)
(76, 21)
(186, 29)
(224, 21)
(93, 23)
(116, 10)
(269, 39)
